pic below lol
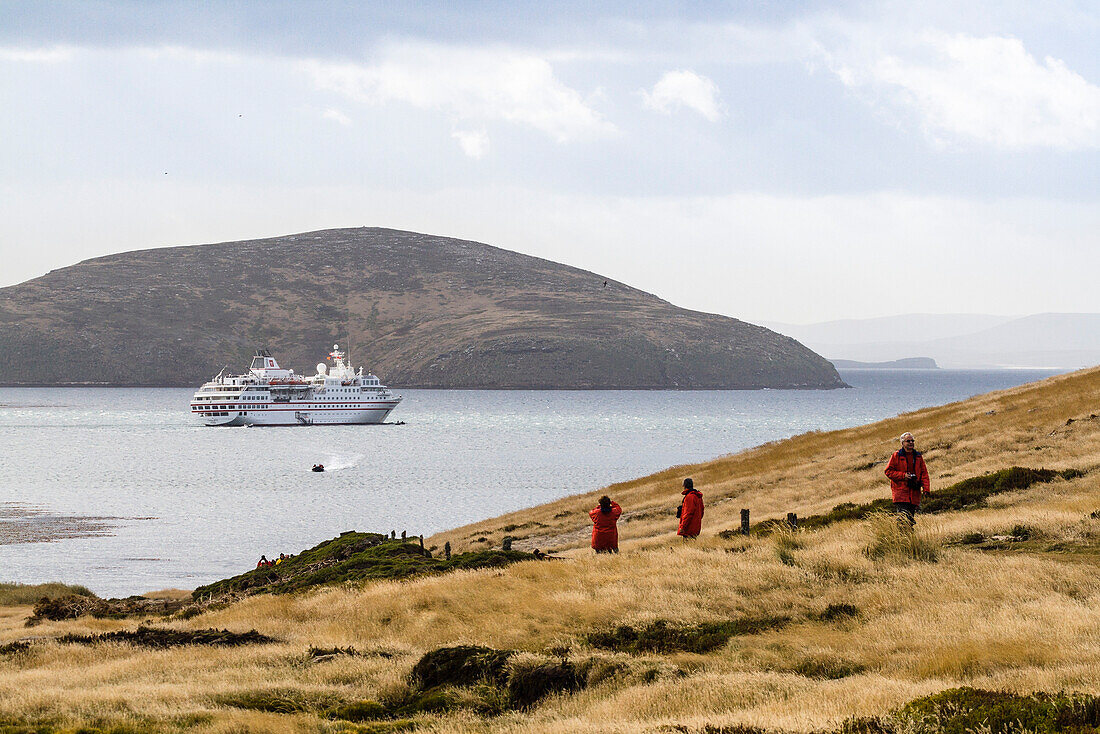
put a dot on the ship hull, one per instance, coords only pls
(299, 416)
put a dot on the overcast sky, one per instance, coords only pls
(793, 161)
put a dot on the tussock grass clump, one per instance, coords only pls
(827, 668)
(21, 594)
(891, 538)
(965, 710)
(662, 636)
(358, 711)
(164, 638)
(279, 700)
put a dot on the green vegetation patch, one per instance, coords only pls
(827, 668)
(163, 638)
(352, 557)
(12, 595)
(463, 665)
(964, 495)
(280, 700)
(359, 711)
(662, 636)
(965, 710)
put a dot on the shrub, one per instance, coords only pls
(528, 684)
(20, 594)
(14, 648)
(964, 710)
(461, 666)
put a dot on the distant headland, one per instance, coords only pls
(419, 310)
(909, 363)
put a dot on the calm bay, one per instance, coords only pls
(118, 489)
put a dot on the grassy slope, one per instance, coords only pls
(1021, 620)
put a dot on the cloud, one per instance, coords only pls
(337, 116)
(988, 89)
(472, 84)
(474, 143)
(684, 88)
(52, 55)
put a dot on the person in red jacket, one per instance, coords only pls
(908, 478)
(605, 532)
(690, 511)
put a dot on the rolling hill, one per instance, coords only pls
(419, 310)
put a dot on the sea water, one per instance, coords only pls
(118, 489)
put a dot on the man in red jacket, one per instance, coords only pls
(690, 512)
(908, 478)
(605, 532)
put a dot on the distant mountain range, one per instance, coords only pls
(1049, 340)
(419, 310)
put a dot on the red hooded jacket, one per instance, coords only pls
(605, 533)
(899, 466)
(691, 517)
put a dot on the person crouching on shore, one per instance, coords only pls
(908, 478)
(605, 531)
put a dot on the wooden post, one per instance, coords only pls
(744, 522)
(447, 550)
(792, 521)
(506, 544)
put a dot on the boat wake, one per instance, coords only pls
(345, 461)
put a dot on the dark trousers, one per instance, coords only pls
(907, 510)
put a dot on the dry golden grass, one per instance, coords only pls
(931, 613)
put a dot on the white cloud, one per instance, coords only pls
(52, 55)
(473, 84)
(337, 116)
(474, 143)
(986, 89)
(684, 88)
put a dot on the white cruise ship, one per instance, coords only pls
(271, 396)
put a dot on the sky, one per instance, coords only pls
(794, 162)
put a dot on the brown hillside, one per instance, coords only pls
(419, 310)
